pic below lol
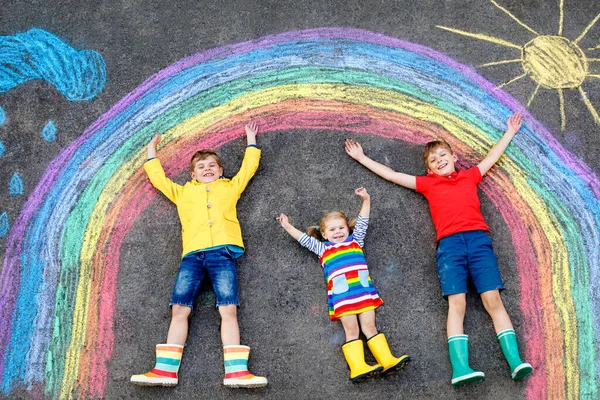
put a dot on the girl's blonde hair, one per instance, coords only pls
(315, 230)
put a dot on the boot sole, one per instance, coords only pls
(242, 384)
(469, 378)
(150, 383)
(522, 371)
(404, 361)
(366, 376)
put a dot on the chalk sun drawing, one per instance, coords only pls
(62, 254)
(552, 61)
(37, 54)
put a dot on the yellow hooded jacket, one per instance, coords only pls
(207, 210)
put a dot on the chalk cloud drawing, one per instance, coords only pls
(2, 148)
(49, 132)
(59, 280)
(15, 186)
(2, 116)
(552, 61)
(37, 54)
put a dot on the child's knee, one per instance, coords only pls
(492, 300)
(228, 312)
(179, 311)
(457, 303)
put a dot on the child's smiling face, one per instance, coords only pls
(207, 170)
(336, 230)
(441, 161)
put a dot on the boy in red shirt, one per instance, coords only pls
(463, 244)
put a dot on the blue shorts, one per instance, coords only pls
(219, 265)
(465, 253)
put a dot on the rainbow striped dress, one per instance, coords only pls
(349, 286)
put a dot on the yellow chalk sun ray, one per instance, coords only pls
(552, 61)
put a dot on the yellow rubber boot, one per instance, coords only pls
(354, 351)
(381, 350)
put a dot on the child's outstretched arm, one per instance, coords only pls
(355, 150)
(250, 161)
(251, 131)
(365, 210)
(152, 146)
(291, 229)
(513, 126)
(156, 174)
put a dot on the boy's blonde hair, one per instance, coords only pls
(432, 146)
(203, 155)
(315, 231)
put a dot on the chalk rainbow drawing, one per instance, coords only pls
(63, 250)
(37, 54)
(552, 61)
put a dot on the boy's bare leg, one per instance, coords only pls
(230, 329)
(506, 334)
(178, 329)
(457, 306)
(367, 323)
(494, 306)
(350, 324)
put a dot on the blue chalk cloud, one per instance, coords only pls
(15, 186)
(49, 132)
(2, 116)
(37, 54)
(2, 148)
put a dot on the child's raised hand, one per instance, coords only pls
(251, 130)
(514, 122)
(283, 220)
(155, 140)
(353, 149)
(362, 193)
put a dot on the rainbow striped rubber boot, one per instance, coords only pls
(235, 359)
(458, 347)
(164, 373)
(508, 342)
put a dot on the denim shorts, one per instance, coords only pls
(463, 254)
(219, 265)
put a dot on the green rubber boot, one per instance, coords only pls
(458, 347)
(508, 342)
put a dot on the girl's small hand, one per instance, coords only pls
(362, 193)
(514, 122)
(283, 220)
(354, 149)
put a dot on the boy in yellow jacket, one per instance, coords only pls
(212, 240)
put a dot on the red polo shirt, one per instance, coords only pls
(453, 201)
